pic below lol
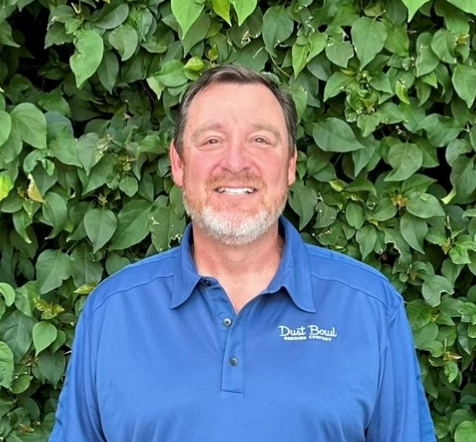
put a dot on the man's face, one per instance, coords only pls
(235, 168)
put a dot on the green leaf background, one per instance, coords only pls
(386, 163)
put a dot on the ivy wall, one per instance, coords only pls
(385, 91)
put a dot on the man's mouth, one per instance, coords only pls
(235, 190)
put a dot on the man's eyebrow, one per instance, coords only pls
(207, 127)
(262, 125)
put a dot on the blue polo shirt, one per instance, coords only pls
(324, 354)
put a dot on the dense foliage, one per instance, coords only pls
(385, 91)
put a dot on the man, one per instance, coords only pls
(242, 333)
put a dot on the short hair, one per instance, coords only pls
(231, 74)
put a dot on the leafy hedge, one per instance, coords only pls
(385, 91)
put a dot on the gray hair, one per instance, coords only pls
(236, 75)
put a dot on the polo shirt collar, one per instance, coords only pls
(294, 272)
(186, 277)
(293, 275)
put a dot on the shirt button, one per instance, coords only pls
(234, 361)
(227, 322)
(206, 281)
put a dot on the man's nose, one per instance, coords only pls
(236, 156)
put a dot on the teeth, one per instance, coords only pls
(235, 191)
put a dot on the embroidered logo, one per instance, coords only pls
(304, 333)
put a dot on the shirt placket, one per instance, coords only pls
(232, 346)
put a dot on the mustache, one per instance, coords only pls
(242, 179)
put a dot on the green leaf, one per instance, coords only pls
(195, 64)
(197, 33)
(339, 52)
(222, 8)
(406, 159)
(52, 268)
(132, 224)
(413, 6)
(243, 8)
(366, 237)
(6, 184)
(30, 123)
(65, 149)
(8, 293)
(422, 336)
(397, 40)
(465, 5)
(367, 123)
(443, 45)
(424, 205)
(108, 71)
(5, 126)
(455, 19)
(335, 135)
(165, 227)
(114, 263)
(419, 313)
(426, 61)
(125, 40)
(369, 38)
(464, 79)
(172, 74)
(44, 334)
(325, 215)
(6, 365)
(277, 27)
(465, 431)
(85, 269)
(299, 58)
(303, 201)
(89, 151)
(112, 15)
(354, 214)
(16, 333)
(186, 13)
(384, 210)
(336, 84)
(100, 225)
(100, 174)
(402, 92)
(52, 366)
(413, 114)
(463, 176)
(414, 230)
(6, 35)
(87, 56)
(441, 130)
(317, 43)
(129, 185)
(55, 212)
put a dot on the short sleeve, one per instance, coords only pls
(402, 413)
(77, 416)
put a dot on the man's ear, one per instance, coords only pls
(292, 168)
(176, 163)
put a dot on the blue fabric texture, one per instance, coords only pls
(325, 354)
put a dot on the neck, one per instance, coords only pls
(243, 270)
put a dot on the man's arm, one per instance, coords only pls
(401, 413)
(77, 417)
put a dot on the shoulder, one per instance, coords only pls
(133, 277)
(341, 270)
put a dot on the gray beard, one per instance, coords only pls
(234, 230)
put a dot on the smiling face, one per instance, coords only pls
(235, 168)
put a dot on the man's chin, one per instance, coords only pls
(235, 230)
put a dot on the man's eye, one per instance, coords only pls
(261, 140)
(211, 141)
